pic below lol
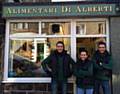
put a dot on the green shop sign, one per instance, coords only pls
(69, 10)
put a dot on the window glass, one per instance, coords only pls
(90, 44)
(23, 27)
(51, 28)
(90, 28)
(93, 29)
(27, 52)
(26, 55)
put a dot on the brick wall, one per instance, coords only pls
(32, 88)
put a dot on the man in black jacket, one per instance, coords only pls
(59, 66)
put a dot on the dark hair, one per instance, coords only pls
(84, 50)
(102, 43)
(60, 42)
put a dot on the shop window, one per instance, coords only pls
(51, 28)
(89, 33)
(23, 27)
(26, 55)
(31, 42)
(90, 28)
(26, 52)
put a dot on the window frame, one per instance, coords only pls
(72, 37)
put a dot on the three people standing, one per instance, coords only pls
(90, 74)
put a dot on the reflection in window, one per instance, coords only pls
(50, 28)
(80, 29)
(23, 27)
(101, 28)
(26, 55)
(90, 28)
(89, 44)
(22, 48)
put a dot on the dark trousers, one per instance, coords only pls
(55, 84)
(105, 86)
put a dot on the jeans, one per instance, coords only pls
(84, 91)
(105, 86)
(55, 84)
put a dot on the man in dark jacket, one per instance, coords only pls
(102, 69)
(59, 66)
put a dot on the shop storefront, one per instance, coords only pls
(32, 31)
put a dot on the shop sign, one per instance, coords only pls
(59, 10)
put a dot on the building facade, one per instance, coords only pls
(32, 30)
(2, 36)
